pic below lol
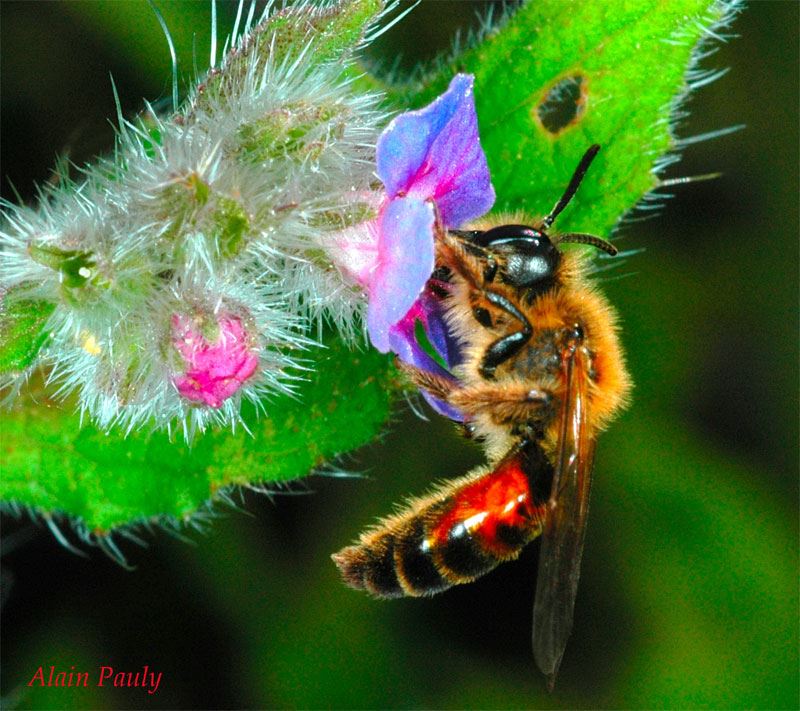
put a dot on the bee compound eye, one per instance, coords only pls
(530, 262)
(530, 258)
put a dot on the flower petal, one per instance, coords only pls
(429, 310)
(436, 153)
(443, 408)
(405, 261)
(355, 251)
(403, 341)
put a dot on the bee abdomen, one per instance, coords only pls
(458, 554)
(392, 563)
(463, 532)
(370, 566)
(417, 570)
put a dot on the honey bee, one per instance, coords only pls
(542, 372)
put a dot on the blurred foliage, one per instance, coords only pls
(689, 591)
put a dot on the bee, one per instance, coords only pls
(541, 374)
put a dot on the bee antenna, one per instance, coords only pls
(572, 188)
(594, 240)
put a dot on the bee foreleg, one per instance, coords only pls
(507, 346)
(439, 386)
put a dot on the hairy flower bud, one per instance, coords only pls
(216, 367)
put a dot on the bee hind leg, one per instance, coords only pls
(518, 403)
(515, 403)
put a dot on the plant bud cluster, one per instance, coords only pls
(192, 268)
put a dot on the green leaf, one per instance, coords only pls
(21, 335)
(51, 464)
(560, 76)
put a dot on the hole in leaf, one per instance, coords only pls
(563, 105)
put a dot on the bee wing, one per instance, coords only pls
(565, 525)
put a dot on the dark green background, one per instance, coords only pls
(704, 464)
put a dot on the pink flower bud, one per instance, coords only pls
(214, 370)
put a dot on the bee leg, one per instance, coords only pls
(516, 403)
(470, 431)
(438, 386)
(507, 346)
(472, 263)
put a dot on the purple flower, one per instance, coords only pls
(214, 371)
(428, 311)
(436, 177)
(405, 261)
(435, 154)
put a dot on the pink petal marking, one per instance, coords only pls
(355, 251)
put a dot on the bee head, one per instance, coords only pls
(530, 258)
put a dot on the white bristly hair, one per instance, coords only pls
(224, 206)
